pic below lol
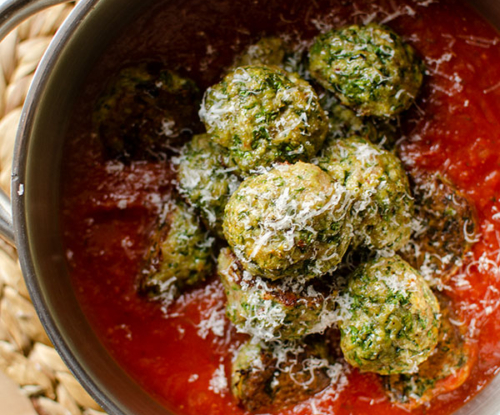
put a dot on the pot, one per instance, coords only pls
(35, 223)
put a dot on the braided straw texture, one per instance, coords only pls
(26, 354)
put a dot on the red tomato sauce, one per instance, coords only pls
(109, 209)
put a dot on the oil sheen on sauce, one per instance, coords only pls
(109, 208)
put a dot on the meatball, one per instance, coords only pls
(271, 310)
(444, 227)
(179, 256)
(263, 115)
(369, 68)
(392, 322)
(383, 207)
(344, 122)
(144, 109)
(445, 370)
(272, 376)
(267, 51)
(290, 221)
(273, 51)
(207, 179)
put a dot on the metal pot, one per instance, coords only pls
(35, 197)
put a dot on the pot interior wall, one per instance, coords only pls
(38, 222)
(51, 100)
(488, 401)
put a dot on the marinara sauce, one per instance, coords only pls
(182, 356)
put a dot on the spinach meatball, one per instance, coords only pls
(393, 318)
(273, 51)
(445, 224)
(207, 179)
(383, 207)
(263, 115)
(369, 68)
(445, 370)
(344, 123)
(144, 109)
(179, 255)
(290, 221)
(267, 51)
(272, 376)
(270, 310)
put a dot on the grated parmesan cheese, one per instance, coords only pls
(218, 383)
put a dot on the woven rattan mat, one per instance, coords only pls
(39, 380)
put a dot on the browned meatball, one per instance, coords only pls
(270, 310)
(273, 376)
(179, 255)
(443, 231)
(144, 109)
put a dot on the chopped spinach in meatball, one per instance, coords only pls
(383, 207)
(207, 179)
(267, 51)
(263, 115)
(369, 68)
(393, 321)
(445, 370)
(179, 256)
(290, 221)
(270, 310)
(145, 109)
(272, 376)
(273, 51)
(344, 123)
(444, 229)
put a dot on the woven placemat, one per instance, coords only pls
(44, 383)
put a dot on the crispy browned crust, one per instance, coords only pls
(449, 222)
(128, 116)
(282, 294)
(278, 386)
(155, 280)
(154, 256)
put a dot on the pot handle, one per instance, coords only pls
(12, 13)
